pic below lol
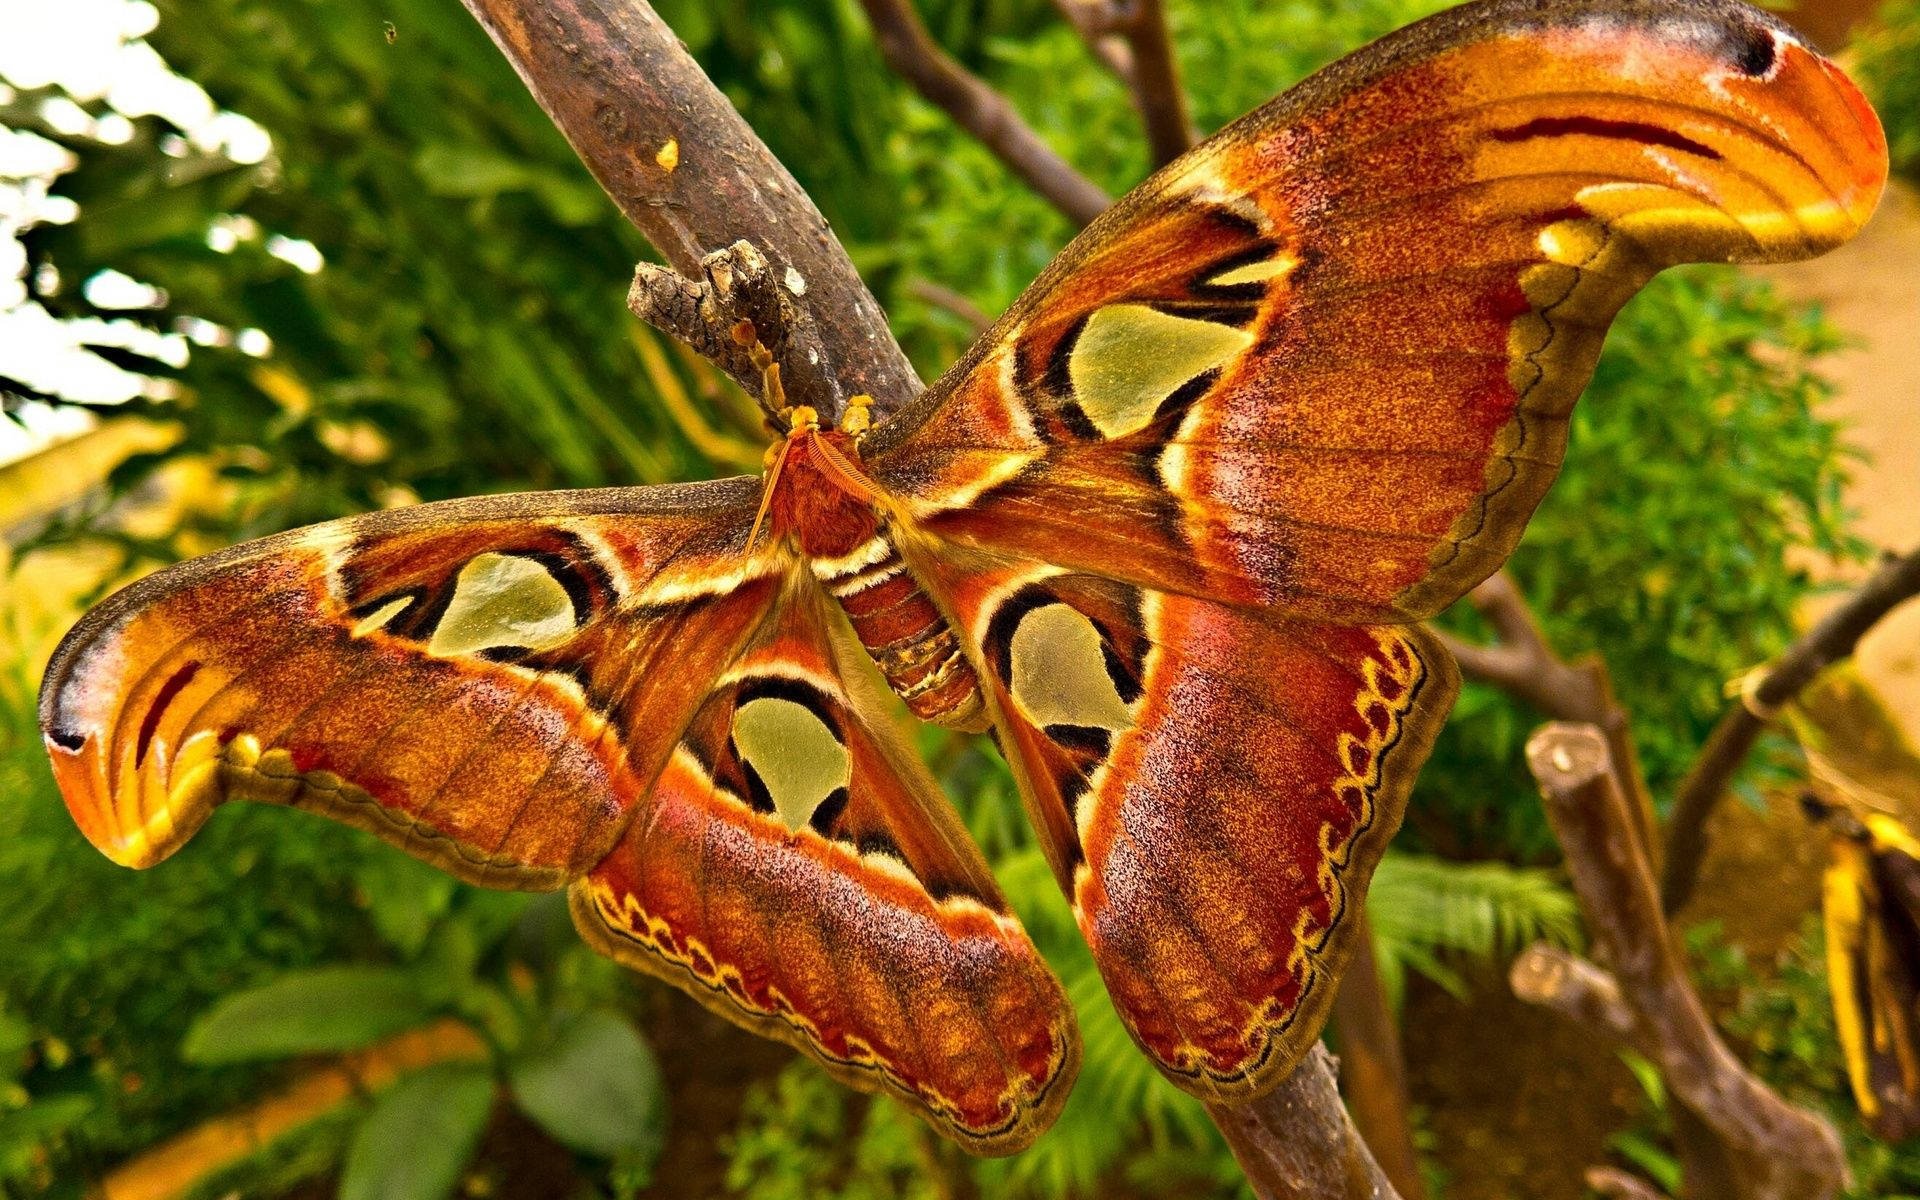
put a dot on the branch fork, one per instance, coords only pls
(1736, 1136)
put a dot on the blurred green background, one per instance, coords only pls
(417, 293)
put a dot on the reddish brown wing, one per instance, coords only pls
(1324, 362)
(594, 686)
(797, 871)
(1214, 786)
(488, 684)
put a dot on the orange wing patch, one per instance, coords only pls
(440, 676)
(1325, 362)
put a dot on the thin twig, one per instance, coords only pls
(1829, 641)
(910, 50)
(951, 302)
(1373, 1068)
(1739, 1137)
(1095, 21)
(1130, 38)
(1156, 82)
(689, 173)
(1618, 1185)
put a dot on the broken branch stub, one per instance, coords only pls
(739, 285)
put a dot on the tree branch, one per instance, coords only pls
(951, 302)
(1553, 978)
(1618, 1185)
(1829, 641)
(1736, 1137)
(1524, 665)
(1096, 22)
(1297, 1142)
(1130, 37)
(1156, 82)
(690, 174)
(910, 50)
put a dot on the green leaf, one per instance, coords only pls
(595, 1087)
(404, 898)
(313, 1011)
(418, 1137)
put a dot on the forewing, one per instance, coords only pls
(797, 871)
(488, 684)
(1325, 361)
(1214, 786)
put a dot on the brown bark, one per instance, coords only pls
(1130, 37)
(1737, 1139)
(623, 89)
(1373, 1070)
(1156, 85)
(1297, 1142)
(1829, 641)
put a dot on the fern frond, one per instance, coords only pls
(1425, 909)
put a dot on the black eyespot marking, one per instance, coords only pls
(1182, 398)
(1234, 313)
(1090, 740)
(758, 797)
(781, 687)
(1058, 380)
(829, 811)
(1630, 131)
(1251, 292)
(1753, 51)
(1007, 619)
(1078, 423)
(876, 841)
(65, 740)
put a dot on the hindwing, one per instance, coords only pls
(797, 869)
(1214, 786)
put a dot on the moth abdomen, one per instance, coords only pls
(906, 634)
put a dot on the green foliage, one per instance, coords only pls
(1779, 1016)
(803, 1137)
(418, 1137)
(1424, 908)
(319, 1010)
(1886, 60)
(595, 1087)
(468, 335)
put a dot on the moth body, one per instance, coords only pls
(847, 537)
